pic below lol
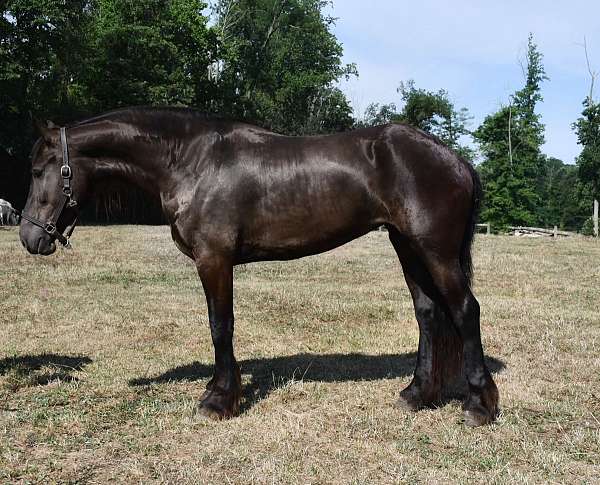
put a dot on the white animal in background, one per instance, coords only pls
(8, 215)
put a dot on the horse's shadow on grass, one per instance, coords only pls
(269, 374)
(32, 370)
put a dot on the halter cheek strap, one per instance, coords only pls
(68, 202)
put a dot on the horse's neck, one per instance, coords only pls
(122, 151)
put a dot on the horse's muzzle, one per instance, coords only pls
(36, 240)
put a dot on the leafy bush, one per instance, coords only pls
(588, 227)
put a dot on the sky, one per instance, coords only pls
(473, 50)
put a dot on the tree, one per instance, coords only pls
(377, 114)
(279, 65)
(565, 202)
(432, 112)
(587, 128)
(41, 48)
(510, 141)
(149, 52)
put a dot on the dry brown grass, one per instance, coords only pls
(105, 349)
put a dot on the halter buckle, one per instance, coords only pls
(50, 228)
(65, 171)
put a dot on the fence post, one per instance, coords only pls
(596, 217)
(555, 232)
(489, 228)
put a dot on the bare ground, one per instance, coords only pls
(105, 349)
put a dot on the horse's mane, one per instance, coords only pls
(131, 114)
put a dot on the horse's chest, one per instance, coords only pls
(180, 242)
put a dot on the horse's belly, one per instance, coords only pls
(302, 230)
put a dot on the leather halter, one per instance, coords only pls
(68, 203)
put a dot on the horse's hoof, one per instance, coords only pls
(409, 400)
(208, 413)
(481, 408)
(217, 405)
(408, 404)
(478, 416)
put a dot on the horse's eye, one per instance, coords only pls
(36, 172)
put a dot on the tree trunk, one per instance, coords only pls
(596, 217)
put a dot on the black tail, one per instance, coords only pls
(466, 262)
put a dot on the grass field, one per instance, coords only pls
(105, 349)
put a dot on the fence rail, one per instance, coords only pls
(541, 231)
(525, 230)
(487, 227)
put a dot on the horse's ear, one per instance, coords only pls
(44, 129)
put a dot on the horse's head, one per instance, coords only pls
(48, 203)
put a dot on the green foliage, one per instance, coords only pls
(432, 112)
(377, 114)
(587, 128)
(280, 62)
(41, 49)
(42, 46)
(587, 228)
(565, 201)
(510, 142)
(148, 52)
(66, 60)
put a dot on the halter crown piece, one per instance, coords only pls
(69, 202)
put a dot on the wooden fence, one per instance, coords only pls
(530, 231)
(540, 231)
(487, 226)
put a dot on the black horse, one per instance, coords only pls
(235, 193)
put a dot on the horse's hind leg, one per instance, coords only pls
(439, 359)
(481, 405)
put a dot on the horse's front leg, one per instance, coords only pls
(222, 396)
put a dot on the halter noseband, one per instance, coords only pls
(69, 202)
